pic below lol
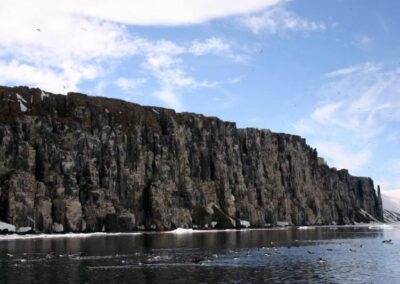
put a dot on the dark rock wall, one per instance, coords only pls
(80, 163)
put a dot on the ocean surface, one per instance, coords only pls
(351, 254)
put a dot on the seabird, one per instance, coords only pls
(387, 241)
(322, 261)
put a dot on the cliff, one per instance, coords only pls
(80, 163)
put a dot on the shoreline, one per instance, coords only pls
(16, 236)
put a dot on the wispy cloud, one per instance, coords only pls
(36, 53)
(46, 76)
(169, 71)
(169, 13)
(57, 50)
(392, 169)
(164, 63)
(328, 114)
(278, 19)
(57, 46)
(170, 97)
(355, 107)
(363, 42)
(364, 68)
(236, 80)
(211, 45)
(342, 156)
(126, 84)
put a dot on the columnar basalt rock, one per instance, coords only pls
(79, 163)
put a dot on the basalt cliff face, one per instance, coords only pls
(77, 163)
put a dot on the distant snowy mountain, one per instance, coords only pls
(391, 205)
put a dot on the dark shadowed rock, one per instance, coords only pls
(78, 163)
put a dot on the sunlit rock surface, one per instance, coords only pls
(79, 163)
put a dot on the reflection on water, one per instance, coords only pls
(348, 254)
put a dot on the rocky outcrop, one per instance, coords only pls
(78, 163)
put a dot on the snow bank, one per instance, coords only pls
(24, 229)
(244, 224)
(61, 236)
(6, 226)
(181, 231)
(306, 228)
(282, 223)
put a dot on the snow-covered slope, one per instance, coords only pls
(391, 205)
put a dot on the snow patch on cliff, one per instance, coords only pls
(367, 215)
(22, 103)
(43, 95)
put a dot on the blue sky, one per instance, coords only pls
(326, 70)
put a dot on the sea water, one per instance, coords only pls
(349, 254)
